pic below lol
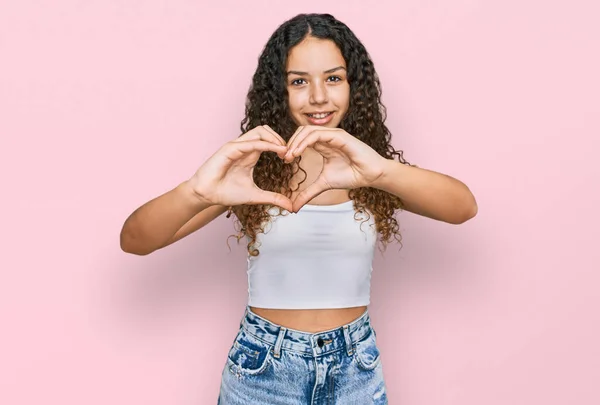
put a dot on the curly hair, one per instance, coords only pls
(267, 104)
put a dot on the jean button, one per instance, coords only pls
(320, 342)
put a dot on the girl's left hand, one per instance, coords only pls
(348, 163)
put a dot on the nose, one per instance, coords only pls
(318, 93)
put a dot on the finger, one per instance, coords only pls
(269, 130)
(275, 134)
(260, 133)
(310, 192)
(240, 149)
(300, 132)
(328, 137)
(300, 128)
(271, 198)
(301, 136)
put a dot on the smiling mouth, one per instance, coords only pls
(320, 115)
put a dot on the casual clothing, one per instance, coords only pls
(273, 365)
(320, 257)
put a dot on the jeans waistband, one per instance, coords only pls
(282, 338)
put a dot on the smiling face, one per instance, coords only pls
(317, 84)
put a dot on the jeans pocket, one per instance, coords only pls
(367, 353)
(248, 355)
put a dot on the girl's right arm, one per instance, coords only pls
(224, 180)
(166, 219)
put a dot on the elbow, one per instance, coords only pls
(128, 245)
(469, 212)
(135, 251)
(472, 213)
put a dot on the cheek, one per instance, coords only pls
(295, 102)
(294, 105)
(342, 97)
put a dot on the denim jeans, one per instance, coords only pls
(274, 365)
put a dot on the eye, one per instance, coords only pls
(295, 82)
(335, 78)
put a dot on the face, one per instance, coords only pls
(319, 93)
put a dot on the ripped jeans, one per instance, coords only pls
(273, 365)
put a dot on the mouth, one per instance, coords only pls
(319, 115)
(319, 118)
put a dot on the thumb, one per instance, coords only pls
(269, 197)
(310, 192)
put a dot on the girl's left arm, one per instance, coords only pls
(428, 193)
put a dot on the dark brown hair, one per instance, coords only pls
(267, 104)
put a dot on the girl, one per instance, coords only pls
(313, 183)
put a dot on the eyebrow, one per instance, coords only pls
(295, 72)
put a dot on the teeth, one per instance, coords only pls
(322, 115)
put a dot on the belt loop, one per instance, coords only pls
(279, 342)
(349, 347)
(244, 317)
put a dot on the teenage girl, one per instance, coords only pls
(314, 185)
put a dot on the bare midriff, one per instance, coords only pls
(310, 320)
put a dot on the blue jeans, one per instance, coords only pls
(274, 365)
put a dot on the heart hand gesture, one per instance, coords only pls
(226, 177)
(347, 162)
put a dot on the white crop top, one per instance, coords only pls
(320, 257)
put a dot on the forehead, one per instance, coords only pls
(315, 55)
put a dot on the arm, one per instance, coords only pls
(224, 180)
(428, 193)
(166, 219)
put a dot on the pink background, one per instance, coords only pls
(107, 104)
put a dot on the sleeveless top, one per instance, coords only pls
(320, 257)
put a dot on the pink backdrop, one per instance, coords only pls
(106, 104)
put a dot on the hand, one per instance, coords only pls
(226, 177)
(348, 163)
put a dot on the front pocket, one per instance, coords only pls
(248, 355)
(367, 353)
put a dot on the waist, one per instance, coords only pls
(310, 320)
(306, 342)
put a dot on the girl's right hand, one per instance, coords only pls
(226, 177)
